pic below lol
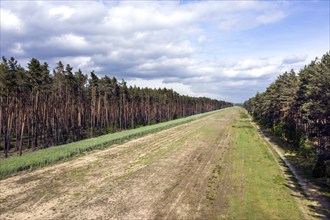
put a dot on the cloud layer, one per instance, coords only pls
(194, 45)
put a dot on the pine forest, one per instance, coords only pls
(40, 109)
(296, 108)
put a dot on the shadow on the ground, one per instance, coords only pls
(321, 208)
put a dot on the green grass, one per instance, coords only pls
(260, 190)
(52, 155)
(301, 161)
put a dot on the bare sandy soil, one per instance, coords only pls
(178, 173)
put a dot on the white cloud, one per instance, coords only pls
(251, 72)
(10, 22)
(236, 83)
(82, 62)
(68, 41)
(144, 17)
(62, 12)
(185, 44)
(250, 64)
(270, 17)
(158, 83)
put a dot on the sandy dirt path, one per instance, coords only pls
(172, 174)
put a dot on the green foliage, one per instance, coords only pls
(297, 107)
(306, 149)
(279, 129)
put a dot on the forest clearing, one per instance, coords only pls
(215, 167)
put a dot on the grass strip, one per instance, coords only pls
(54, 154)
(260, 190)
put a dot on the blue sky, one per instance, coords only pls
(226, 50)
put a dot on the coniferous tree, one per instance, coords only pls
(39, 109)
(297, 108)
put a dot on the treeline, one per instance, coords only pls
(39, 109)
(297, 108)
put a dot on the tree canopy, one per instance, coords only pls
(297, 108)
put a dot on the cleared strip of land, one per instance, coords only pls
(211, 168)
(264, 189)
(52, 155)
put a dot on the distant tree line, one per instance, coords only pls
(297, 108)
(39, 109)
